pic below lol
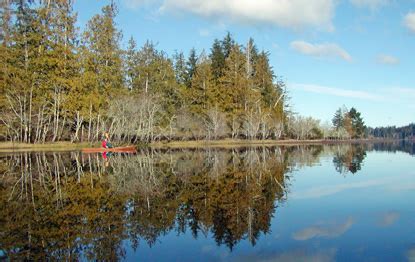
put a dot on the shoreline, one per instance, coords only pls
(8, 147)
(231, 143)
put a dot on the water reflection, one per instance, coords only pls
(324, 229)
(350, 159)
(72, 206)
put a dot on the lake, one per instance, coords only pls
(345, 202)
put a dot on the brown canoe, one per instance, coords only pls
(124, 149)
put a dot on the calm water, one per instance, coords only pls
(305, 203)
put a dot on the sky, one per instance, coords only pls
(330, 53)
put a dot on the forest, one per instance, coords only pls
(404, 132)
(62, 84)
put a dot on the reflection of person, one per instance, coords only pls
(106, 142)
(106, 155)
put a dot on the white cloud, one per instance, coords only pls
(399, 94)
(387, 60)
(409, 21)
(321, 50)
(338, 92)
(293, 14)
(371, 4)
(329, 231)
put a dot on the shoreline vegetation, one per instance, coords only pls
(6, 147)
(62, 84)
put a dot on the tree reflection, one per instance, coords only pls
(349, 159)
(74, 206)
(71, 206)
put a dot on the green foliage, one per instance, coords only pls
(404, 132)
(130, 65)
(351, 121)
(102, 55)
(338, 119)
(217, 58)
(357, 123)
(57, 85)
(191, 67)
(180, 68)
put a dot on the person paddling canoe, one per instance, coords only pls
(106, 142)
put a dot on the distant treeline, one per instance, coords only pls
(404, 132)
(58, 83)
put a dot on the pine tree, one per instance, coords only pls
(191, 65)
(263, 79)
(101, 39)
(347, 124)
(131, 64)
(63, 68)
(357, 123)
(5, 54)
(199, 94)
(217, 58)
(233, 96)
(338, 119)
(157, 77)
(147, 66)
(180, 68)
(227, 45)
(251, 52)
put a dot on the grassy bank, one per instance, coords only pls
(224, 143)
(228, 143)
(56, 146)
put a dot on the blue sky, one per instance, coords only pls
(357, 53)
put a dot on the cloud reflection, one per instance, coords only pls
(329, 231)
(299, 255)
(328, 190)
(396, 183)
(411, 254)
(388, 218)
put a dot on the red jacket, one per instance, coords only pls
(104, 143)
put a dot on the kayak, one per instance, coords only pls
(124, 149)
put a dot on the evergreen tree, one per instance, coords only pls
(233, 96)
(263, 79)
(199, 96)
(131, 65)
(42, 67)
(147, 66)
(52, 87)
(357, 123)
(180, 67)
(157, 77)
(227, 45)
(101, 40)
(191, 66)
(217, 58)
(338, 119)
(251, 52)
(17, 85)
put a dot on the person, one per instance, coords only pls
(106, 142)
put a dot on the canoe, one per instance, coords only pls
(124, 149)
